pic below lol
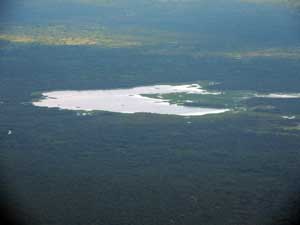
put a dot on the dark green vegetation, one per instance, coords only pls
(59, 167)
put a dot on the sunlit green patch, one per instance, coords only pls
(275, 52)
(293, 53)
(154, 41)
(92, 35)
(67, 35)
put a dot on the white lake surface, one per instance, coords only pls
(279, 95)
(289, 117)
(128, 100)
